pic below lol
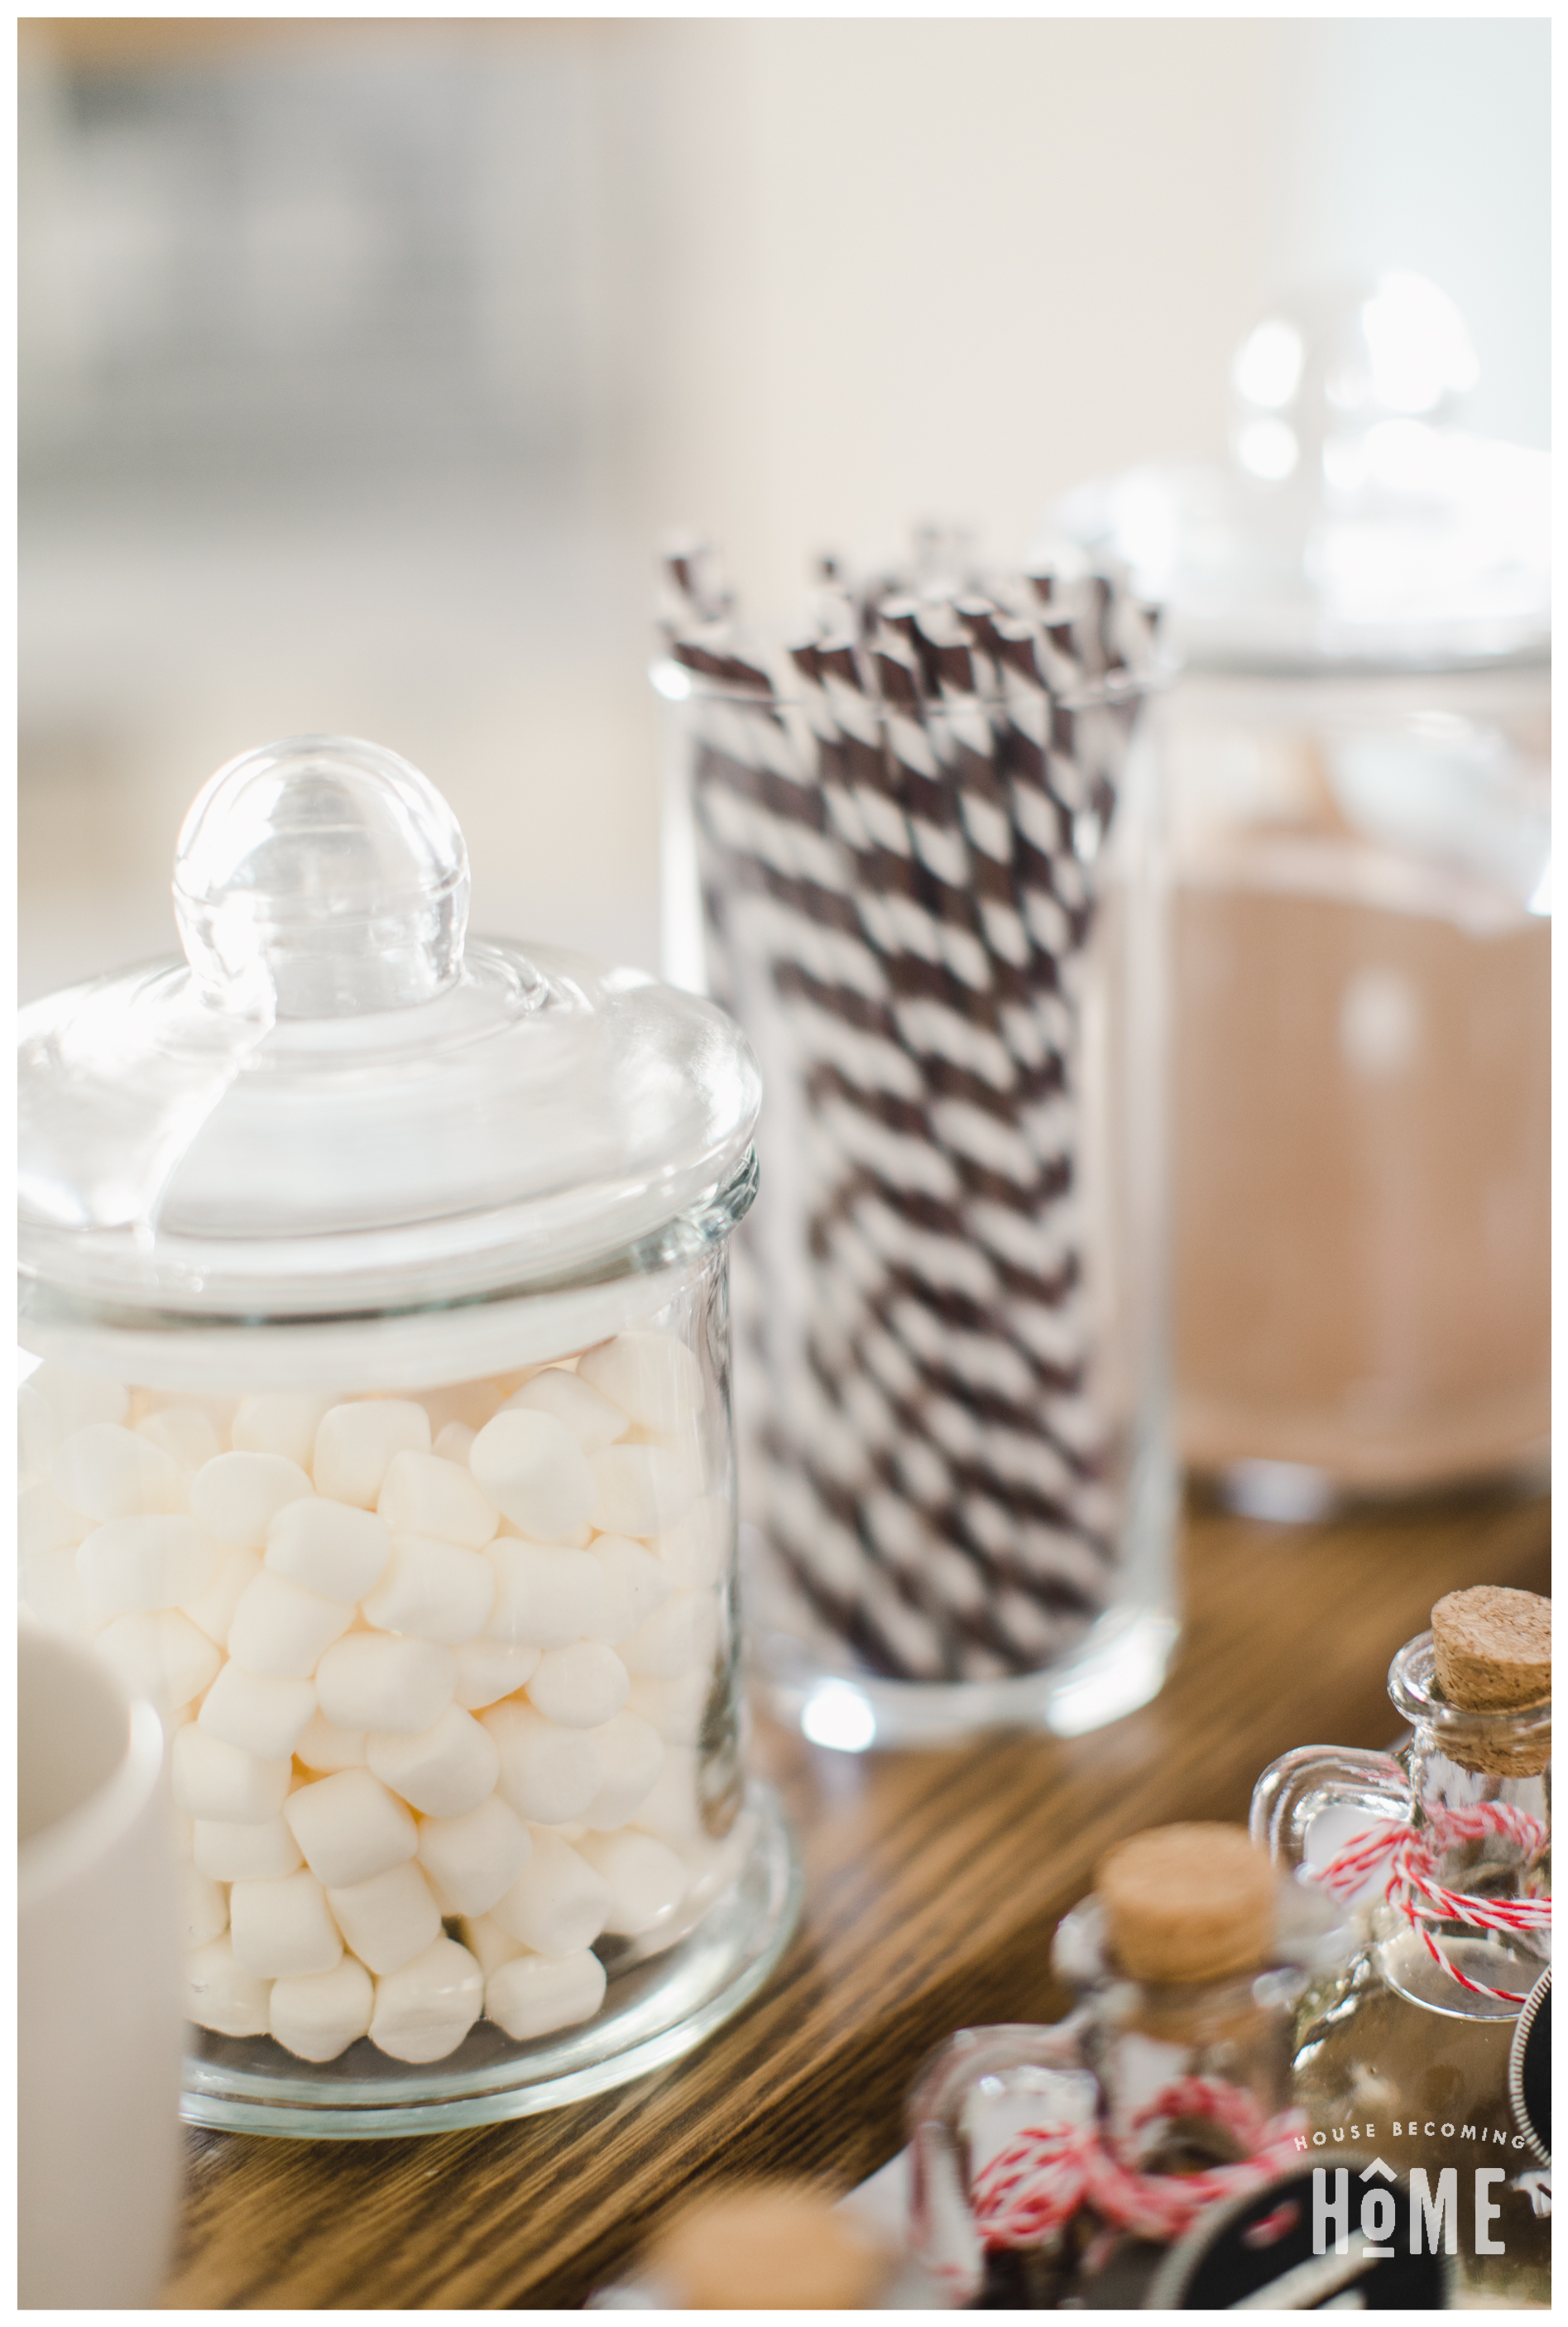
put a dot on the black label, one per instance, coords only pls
(1317, 2235)
(1530, 2070)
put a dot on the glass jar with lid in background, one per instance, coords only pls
(382, 1435)
(1356, 761)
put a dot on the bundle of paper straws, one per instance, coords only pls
(898, 818)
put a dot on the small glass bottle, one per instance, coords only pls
(1054, 2166)
(1405, 2047)
(763, 2245)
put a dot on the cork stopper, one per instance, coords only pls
(1492, 1647)
(768, 2246)
(1187, 1903)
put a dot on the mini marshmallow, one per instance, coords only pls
(183, 1433)
(641, 1490)
(279, 1422)
(355, 1444)
(675, 1707)
(533, 1469)
(334, 1549)
(245, 1854)
(449, 1767)
(322, 1746)
(204, 1909)
(372, 1681)
(488, 1671)
(425, 2009)
(322, 2014)
(281, 1929)
(263, 1715)
(39, 1431)
(548, 1774)
(487, 1943)
(423, 1494)
(236, 1496)
(452, 1441)
(646, 1880)
(581, 1687)
(281, 1628)
(544, 1594)
(51, 1589)
(163, 1657)
(594, 1421)
(147, 1563)
(44, 1523)
(558, 1902)
(211, 1610)
(572, 1539)
(632, 1754)
(221, 1995)
(350, 1828)
(682, 1636)
(697, 1550)
(652, 1377)
(531, 1995)
(635, 1585)
(476, 1856)
(214, 1780)
(388, 1920)
(75, 1399)
(671, 1808)
(433, 1590)
(110, 1473)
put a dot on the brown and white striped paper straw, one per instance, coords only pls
(932, 1487)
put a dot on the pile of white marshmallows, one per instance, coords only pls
(425, 1659)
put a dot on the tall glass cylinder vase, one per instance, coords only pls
(944, 936)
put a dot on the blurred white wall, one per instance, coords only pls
(1426, 143)
(362, 362)
(957, 267)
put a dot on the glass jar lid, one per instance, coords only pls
(334, 1103)
(1358, 525)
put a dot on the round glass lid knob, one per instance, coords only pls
(321, 877)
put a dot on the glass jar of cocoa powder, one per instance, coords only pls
(1356, 764)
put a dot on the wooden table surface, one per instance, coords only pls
(933, 1883)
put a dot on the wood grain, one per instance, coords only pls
(934, 1881)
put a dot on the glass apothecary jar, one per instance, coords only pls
(920, 858)
(1356, 764)
(381, 1436)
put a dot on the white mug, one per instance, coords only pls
(100, 2034)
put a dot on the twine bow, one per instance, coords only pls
(1411, 1856)
(1047, 2172)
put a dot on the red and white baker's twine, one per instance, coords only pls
(1411, 1855)
(1047, 2172)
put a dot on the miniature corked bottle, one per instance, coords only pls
(761, 2246)
(1053, 2167)
(1444, 1852)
